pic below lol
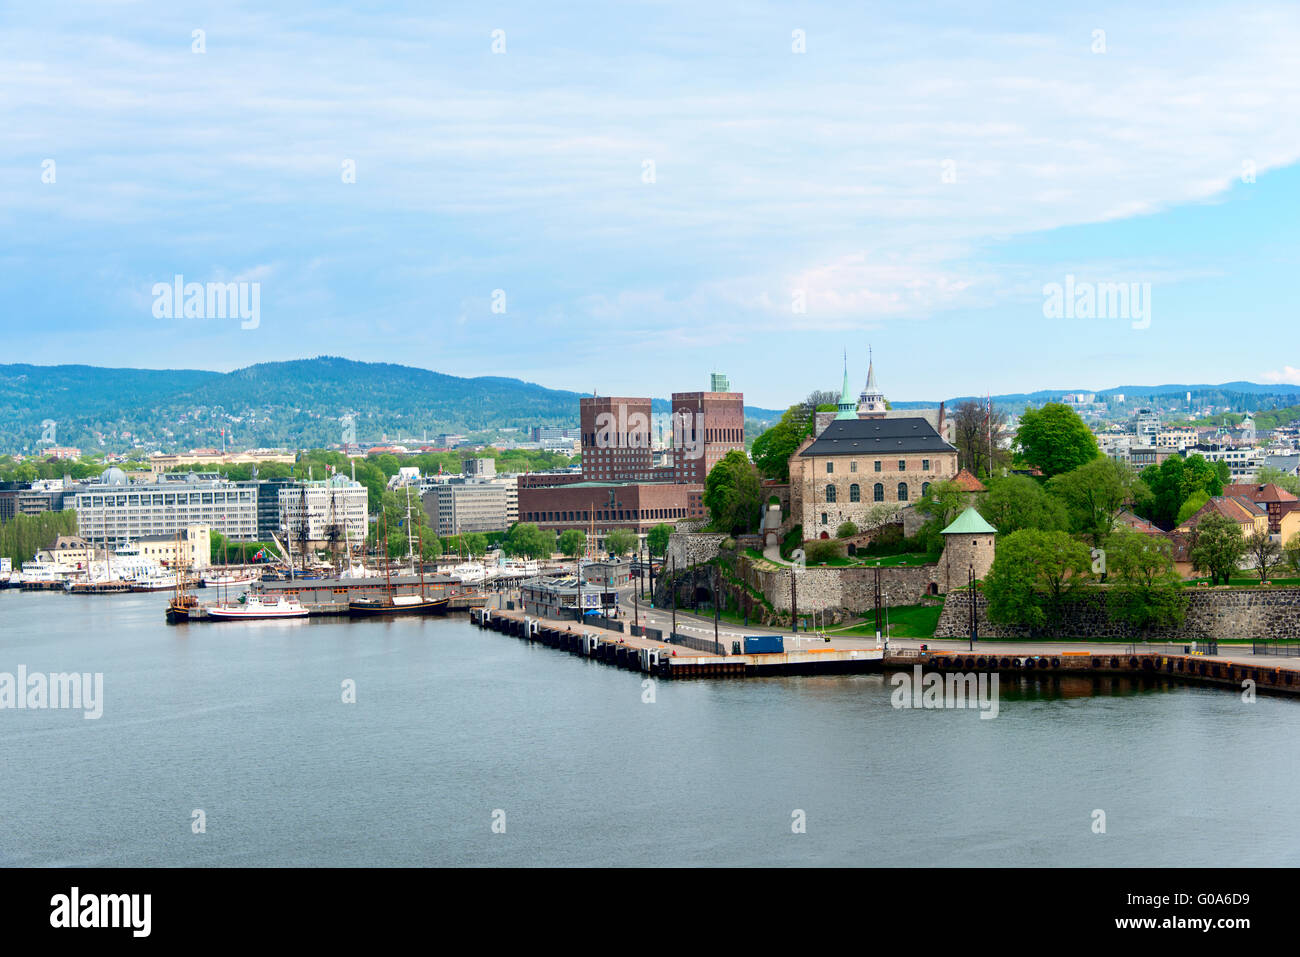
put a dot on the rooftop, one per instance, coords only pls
(970, 522)
(877, 437)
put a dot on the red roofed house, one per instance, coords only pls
(1275, 499)
(1246, 513)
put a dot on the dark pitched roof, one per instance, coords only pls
(877, 437)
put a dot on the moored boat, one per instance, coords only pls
(256, 608)
(397, 605)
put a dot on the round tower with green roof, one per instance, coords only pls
(967, 543)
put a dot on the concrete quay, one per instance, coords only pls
(650, 651)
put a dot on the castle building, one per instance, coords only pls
(866, 462)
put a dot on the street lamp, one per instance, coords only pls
(973, 618)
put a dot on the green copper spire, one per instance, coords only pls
(848, 408)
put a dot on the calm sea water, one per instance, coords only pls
(245, 721)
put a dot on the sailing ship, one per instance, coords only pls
(390, 605)
(183, 604)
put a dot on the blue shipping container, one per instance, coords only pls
(764, 644)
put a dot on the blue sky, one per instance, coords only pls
(915, 177)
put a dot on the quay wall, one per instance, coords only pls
(1253, 614)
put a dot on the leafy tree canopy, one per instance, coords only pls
(1055, 439)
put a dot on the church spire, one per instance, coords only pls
(847, 408)
(872, 401)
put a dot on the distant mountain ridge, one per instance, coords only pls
(1205, 393)
(298, 403)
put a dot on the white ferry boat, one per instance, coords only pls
(518, 568)
(470, 572)
(255, 607)
(45, 573)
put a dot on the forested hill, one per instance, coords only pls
(297, 404)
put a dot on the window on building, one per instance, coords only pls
(855, 493)
(925, 488)
(823, 518)
(878, 493)
(902, 465)
(925, 465)
(877, 463)
(853, 466)
(902, 491)
(830, 493)
(830, 467)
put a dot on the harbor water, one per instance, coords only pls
(467, 747)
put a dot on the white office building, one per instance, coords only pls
(114, 512)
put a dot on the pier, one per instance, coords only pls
(648, 650)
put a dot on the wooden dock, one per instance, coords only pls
(666, 658)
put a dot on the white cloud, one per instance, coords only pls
(1287, 374)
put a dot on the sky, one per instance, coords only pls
(623, 198)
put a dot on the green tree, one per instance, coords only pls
(475, 544)
(1174, 481)
(772, 449)
(1291, 553)
(1190, 507)
(1094, 494)
(1055, 439)
(943, 501)
(573, 542)
(1264, 552)
(22, 535)
(733, 495)
(620, 541)
(528, 541)
(846, 530)
(1016, 502)
(1034, 575)
(822, 550)
(1146, 592)
(657, 539)
(1218, 548)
